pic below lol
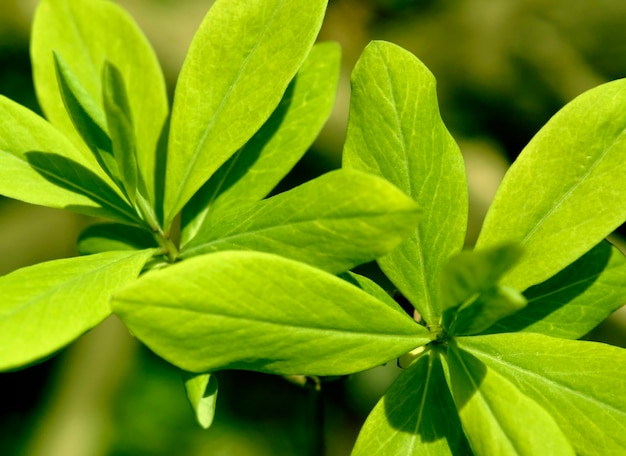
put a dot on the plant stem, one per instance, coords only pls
(317, 446)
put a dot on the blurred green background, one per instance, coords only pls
(503, 68)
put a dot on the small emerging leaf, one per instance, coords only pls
(395, 131)
(202, 395)
(47, 306)
(256, 311)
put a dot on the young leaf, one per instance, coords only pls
(86, 33)
(106, 237)
(256, 311)
(581, 384)
(40, 166)
(574, 301)
(497, 417)
(202, 395)
(46, 306)
(415, 417)
(255, 169)
(239, 64)
(565, 191)
(335, 222)
(395, 131)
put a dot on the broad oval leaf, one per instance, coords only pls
(566, 190)
(47, 306)
(256, 311)
(581, 384)
(255, 169)
(497, 417)
(239, 64)
(86, 33)
(395, 131)
(335, 222)
(39, 165)
(415, 417)
(574, 301)
(202, 396)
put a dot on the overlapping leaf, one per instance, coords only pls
(202, 395)
(581, 384)
(574, 301)
(497, 417)
(566, 190)
(395, 131)
(255, 169)
(46, 306)
(416, 416)
(239, 65)
(312, 224)
(86, 33)
(256, 311)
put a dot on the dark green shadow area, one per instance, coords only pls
(560, 290)
(66, 173)
(419, 402)
(114, 236)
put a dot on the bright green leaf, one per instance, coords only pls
(574, 301)
(497, 417)
(335, 222)
(38, 165)
(114, 236)
(395, 131)
(372, 288)
(415, 417)
(47, 306)
(86, 33)
(255, 169)
(581, 384)
(202, 395)
(238, 66)
(566, 190)
(256, 311)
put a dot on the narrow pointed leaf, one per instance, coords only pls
(47, 306)
(565, 191)
(497, 417)
(415, 417)
(335, 222)
(39, 165)
(239, 64)
(114, 236)
(395, 131)
(86, 33)
(255, 169)
(256, 311)
(574, 301)
(202, 395)
(121, 128)
(371, 288)
(581, 384)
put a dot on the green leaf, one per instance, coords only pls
(87, 33)
(202, 395)
(395, 131)
(335, 222)
(255, 169)
(372, 288)
(416, 416)
(239, 65)
(574, 301)
(114, 236)
(262, 312)
(39, 165)
(121, 129)
(47, 306)
(470, 273)
(565, 191)
(497, 417)
(581, 384)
